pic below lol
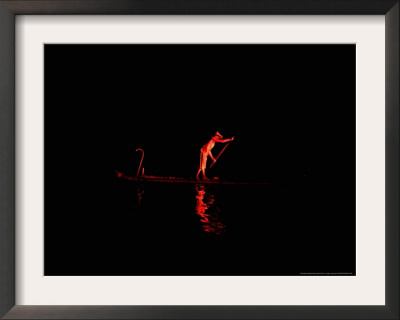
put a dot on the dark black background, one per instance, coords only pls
(291, 109)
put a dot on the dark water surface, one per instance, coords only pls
(200, 229)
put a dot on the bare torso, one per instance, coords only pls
(208, 146)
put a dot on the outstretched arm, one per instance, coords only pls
(223, 140)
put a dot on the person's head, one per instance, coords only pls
(218, 135)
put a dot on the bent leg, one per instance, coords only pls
(203, 163)
(197, 175)
(204, 174)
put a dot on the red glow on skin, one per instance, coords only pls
(210, 220)
(205, 152)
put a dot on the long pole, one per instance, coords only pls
(141, 160)
(220, 154)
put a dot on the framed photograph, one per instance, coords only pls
(199, 160)
(138, 162)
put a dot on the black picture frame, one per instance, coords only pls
(8, 11)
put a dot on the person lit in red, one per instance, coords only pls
(205, 151)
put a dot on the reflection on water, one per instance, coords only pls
(139, 192)
(208, 211)
(206, 206)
